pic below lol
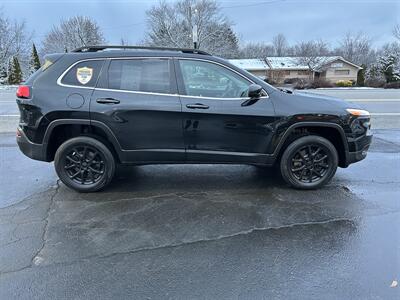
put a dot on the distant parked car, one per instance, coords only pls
(93, 108)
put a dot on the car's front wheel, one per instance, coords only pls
(84, 164)
(309, 162)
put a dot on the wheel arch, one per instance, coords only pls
(331, 131)
(60, 130)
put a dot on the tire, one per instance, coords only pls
(309, 162)
(84, 164)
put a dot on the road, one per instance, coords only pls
(211, 232)
(383, 104)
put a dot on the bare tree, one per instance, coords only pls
(396, 31)
(311, 53)
(280, 44)
(72, 33)
(172, 24)
(14, 41)
(357, 48)
(256, 50)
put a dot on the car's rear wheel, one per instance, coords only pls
(309, 162)
(84, 164)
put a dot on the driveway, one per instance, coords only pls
(201, 231)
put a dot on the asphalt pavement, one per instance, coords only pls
(201, 231)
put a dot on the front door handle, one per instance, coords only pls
(197, 106)
(107, 101)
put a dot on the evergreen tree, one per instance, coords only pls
(3, 74)
(34, 62)
(361, 76)
(14, 71)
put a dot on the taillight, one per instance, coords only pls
(24, 91)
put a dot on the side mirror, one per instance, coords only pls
(254, 91)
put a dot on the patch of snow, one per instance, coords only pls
(8, 87)
(250, 64)
(286, 63)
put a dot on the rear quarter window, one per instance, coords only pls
(83, 74)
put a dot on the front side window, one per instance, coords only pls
(205, 79)
(84, 73)
(150, 75)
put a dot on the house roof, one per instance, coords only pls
(286, 63)
(255, 64)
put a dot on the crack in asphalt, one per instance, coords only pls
(36, 258)
(175, 245)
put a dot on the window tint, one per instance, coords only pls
(143, 75)
(83, 74)
(206, 79)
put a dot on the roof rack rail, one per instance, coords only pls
(100, 48)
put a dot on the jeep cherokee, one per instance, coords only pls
(98, 106)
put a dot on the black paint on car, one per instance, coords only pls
(99, 106)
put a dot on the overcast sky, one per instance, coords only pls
(255, 20)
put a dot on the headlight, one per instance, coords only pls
(358, 112)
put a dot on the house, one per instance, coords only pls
(257, 67)
(289, 69)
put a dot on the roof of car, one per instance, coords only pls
(121, 51)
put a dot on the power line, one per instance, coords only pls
(253, 4)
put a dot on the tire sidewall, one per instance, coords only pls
(60, 157)
(285, 163)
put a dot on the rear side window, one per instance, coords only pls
(150, 75)
(84, 73)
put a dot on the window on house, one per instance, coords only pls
(302, 72)
(286, 72)
(342, 72)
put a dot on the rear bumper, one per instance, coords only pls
(30, 149)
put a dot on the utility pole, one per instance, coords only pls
(194, 31)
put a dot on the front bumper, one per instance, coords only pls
(361, 147)
(30, 149)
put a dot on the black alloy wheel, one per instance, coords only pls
(84, 164)
(309, 162)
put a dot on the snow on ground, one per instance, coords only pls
(8, 87)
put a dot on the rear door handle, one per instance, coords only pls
(197, 106)
(107, 101)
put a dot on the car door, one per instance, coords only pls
(137, 99)
(220, 124)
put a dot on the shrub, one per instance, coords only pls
(270, 81)
(301, 84)
(375, 82)
(320, 83)
(392, 85)
(344, 83)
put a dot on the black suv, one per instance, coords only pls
(98, 106)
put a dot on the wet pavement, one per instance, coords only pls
(201, 231)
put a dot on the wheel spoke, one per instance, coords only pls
(298, 169)
(316, 151)
(70, 166)
(317, 173)
(320, 159)
(74, 175)
(71, 159)
(83, 176)
(310, 176)
(91, 175)
(95, 171)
